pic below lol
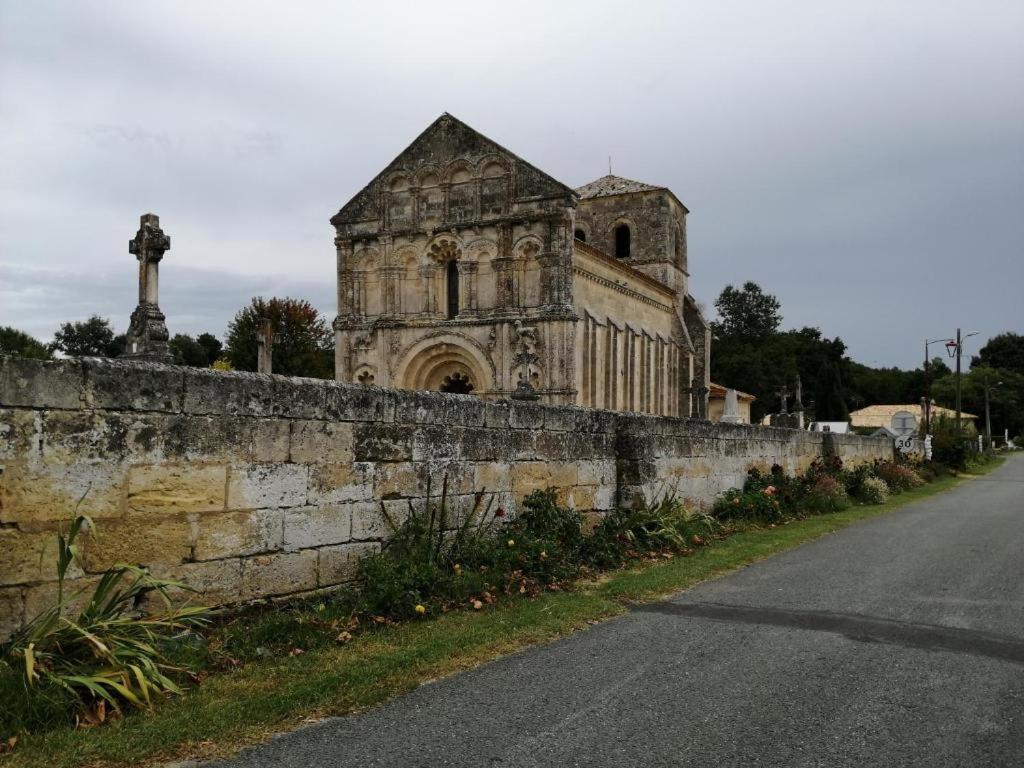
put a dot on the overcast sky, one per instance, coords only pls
(864, 161)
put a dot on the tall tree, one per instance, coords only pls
(188, 351)
(90, 338)
(303, 342)
(15, 342)
(829, 404)
(1005, 351)
(211, 345)
(747, 313)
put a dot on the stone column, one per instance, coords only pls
(147, 333)
(265, 347)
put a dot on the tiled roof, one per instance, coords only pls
(881, 415)
(718, 391)
(613, 185)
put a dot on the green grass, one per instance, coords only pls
(243, 706)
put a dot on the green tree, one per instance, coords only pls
(747, 313)
(1005, 352)
(15, 342)
(303, 342)
(188, 351)
(90, 338)
(829, 404)
(1006, 397)
(211, 345)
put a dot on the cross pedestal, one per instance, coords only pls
(147, 333)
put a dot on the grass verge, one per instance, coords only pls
(246, 705)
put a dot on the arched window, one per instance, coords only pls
(580, 235)
(453, 288)
(622, 241)
(457, 383)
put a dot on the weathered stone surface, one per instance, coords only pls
(29, 557)
(314, 526)
(42, 597)
(144, 542)
(41, 383)
(133, 386)
(321, 441)
(234, 534)
(256, 486)
(172, 488)
(338, 564)
(279, 574)
(12, 607)
(285, 481)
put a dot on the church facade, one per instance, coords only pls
(463, 268)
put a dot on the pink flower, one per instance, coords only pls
(769, 491)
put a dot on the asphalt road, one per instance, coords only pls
(897, 641)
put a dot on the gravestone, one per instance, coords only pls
(731, 411)
(147, 332)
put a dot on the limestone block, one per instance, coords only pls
(133, 386)
(233, 534)
(321, 441)
(20, 434)
(315, 526)
(525, 415)
(400, 479)
(70, 436)
(604, 498)
(345, 481)
(382, 442)
(41, 383)
(12, 607)
(529, 476)
(42, 597)
(144, 542)
(35, 495)
(354, 402)
(228, 393)
(439, 408)
(257, 486)
(226, 438)
(27, 557)
(595, 472)
(430, 443)
(479, 444)
(369, 521)
(496, 415)
(300, 398)
(280, 574)
(493, 476)
(210, 583)
(176, 488)
(338, 564)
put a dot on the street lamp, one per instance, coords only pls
(988, 418)
(927, 405)
(955, 347)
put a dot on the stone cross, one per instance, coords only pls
(798, 400)
(265, 347)
(147, 333)
(783, 394)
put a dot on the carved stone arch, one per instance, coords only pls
(398, 181)
(582, 228)
(445, 247)
(480, 246)
(528, 247)
(615, 239)
(492, 166)
(425, 364)
(366, 259)
(429, 175)
(458, 171)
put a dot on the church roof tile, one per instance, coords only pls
(610, 185)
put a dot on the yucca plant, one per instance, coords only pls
(110, 653)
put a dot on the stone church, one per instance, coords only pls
(463, 268)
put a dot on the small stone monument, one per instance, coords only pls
(699, 393)
(798, 404)
(265, 347)
(731, 410)
(524, 390)
(147, 333)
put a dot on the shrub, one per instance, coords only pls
(898, 477)
(760, 506)
(664, 526)
(873, 490)
(826, 494)
(108, 654)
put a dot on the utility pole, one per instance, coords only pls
(958, 429)
(926, 405)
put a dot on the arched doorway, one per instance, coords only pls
(447, 363)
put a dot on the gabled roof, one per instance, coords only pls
(439, 139)
(881, 415)
(610, 185)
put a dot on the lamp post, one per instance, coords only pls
(955, 347)
(926, 406)
(988, 419)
